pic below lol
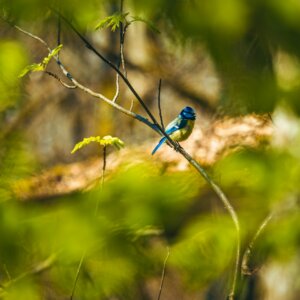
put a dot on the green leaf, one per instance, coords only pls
(53, 53)
(148, 23)
(112, 21)
(41, 66)
(105, 141)
(31, 68)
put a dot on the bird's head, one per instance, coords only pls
(188, 113)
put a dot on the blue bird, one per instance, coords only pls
(180, 128)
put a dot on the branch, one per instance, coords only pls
(163, 273)
(280, 209)
(87, 90)
(60, 81)
(159, 106)
(109, 63)
(39, 268)
(77, 276)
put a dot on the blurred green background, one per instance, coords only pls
(225, 58)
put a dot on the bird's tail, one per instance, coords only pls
(158, 145)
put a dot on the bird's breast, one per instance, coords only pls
(183, 133)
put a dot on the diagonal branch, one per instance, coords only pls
(108, 62)
(87, 90)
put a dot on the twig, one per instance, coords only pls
(62, 82)
(104, 166)
(77, 275)
(40, 267)
(280, 209)
(163, 274)
(159, 106)
(117, 89)
(245, 269)
(229, 208)
(108, 62)
(58, 31)
(102, 177)
(89, 91)
(122, 40)
(6, 272)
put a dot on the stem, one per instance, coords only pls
(108, 62)
(163, 273)
(102, 176)
(280, 209)
(230, 210)
(159, 106)
(77, 275)
(245, 269)
(104, 165)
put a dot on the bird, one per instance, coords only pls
(180, 128)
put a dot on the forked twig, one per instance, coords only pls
(285, 206)
(61, 81)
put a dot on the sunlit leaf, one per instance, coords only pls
(41, 66)
(105, 141)
(112, 21)
(32, 68)
(53, 53)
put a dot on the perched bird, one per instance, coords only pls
(180, 128)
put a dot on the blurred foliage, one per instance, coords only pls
(12, 59)
(254, 46)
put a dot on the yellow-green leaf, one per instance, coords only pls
(105, 141)
(31, 68)
(112, 21)
(41, 66)
(52, 54)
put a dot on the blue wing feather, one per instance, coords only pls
(175, 125)
(159, 144)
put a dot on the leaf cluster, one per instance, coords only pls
(105, 141)
(43, 65)
(116, 19)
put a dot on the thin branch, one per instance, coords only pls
(108, 62)
(104, 165)
(122, 41)
(58, 31)
(34, 37)
(37, 269)
(87, 90)
(228, 207)
(77, 275)
(59, 80)
(245, 269)
(163, 274)
(280, 209)
(102, 177)
(117, 89)
(159, 105)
